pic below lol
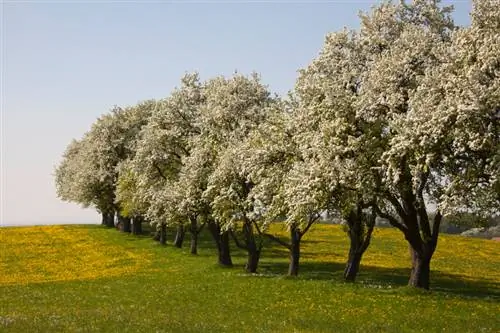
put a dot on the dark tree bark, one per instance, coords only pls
(103, 218)
(225, 251)
(194, 230)
(359, 228)
(179, 236)
(137, 225)
(295, 237)
(252, 261)
(420, 271)
(222, 244)
(352, 266)
(194, 243)
(413, 221)
(253, 250)
(125, 223)
(294, 246)
(110, 219)
(163, 234)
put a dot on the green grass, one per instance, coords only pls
(92, 279)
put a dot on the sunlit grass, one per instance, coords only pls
(62, 253)
(93, 279)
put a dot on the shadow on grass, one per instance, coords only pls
(381, 277)
(274, 262)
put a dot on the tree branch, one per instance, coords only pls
(435, 227)
(277, 240)
(390, 218)
(236, 241)
(396, 204)
(312, 219)
(201, 227)
(159, 171)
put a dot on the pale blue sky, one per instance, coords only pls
(64, 63)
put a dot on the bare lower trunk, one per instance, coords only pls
(179, 236)
(352, 266)
(420, 271)
(225, 251)
(359, 229)
(421, 251)
(137, 225)
(194, 243)
(110, 219)
(125, 223)
(252, 261)
(103, 218)
(194, 231)
(222, 244)
(163, 234)
(293, 268)
(253, 252)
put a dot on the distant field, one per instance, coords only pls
(92, 279)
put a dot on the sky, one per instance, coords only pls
(64, 63)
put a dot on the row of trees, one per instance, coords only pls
(388, 120)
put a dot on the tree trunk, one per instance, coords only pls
(420, 271)
(352, 267)
(252, 261)
(193, 229)
(179, 236)
(194, 243)
(222, 243)
(295, 236)
(253, 253)
(215, 232)
(421, 250)
(125, 223)
(225, 253)
(163, 234)
(360, 228)
(110, 219)
(137, 225)
(103, 220)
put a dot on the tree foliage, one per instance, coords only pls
(398, 119)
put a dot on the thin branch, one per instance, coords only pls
(257, 227)
(174, 154)
(368, 237)
(159, 171)
(312, 219)
(435, 227)
(423, 182)
(201, 227)
(186, 121)
(396, 204)
(236, 241)
(277, 240)
(391, 219)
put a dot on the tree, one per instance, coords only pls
(269, 160)
(77, 180)
(89, 171)
(360, 105)
(163, 144)
(461, 135)
(232, 109)
(330, 137)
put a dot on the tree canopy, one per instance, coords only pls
(398, 120)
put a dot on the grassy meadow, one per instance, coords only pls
(93, 279)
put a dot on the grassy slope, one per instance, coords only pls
(88, 279)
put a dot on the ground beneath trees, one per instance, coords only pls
(88, 278)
